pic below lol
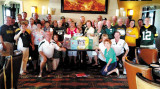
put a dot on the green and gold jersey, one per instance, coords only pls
(148, 34)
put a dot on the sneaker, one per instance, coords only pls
(117, 71)
(23, 73)
(124, 71)
(40, 74)
(99, 66)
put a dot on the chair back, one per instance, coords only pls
(16, 61)
(147, 56)
(144, 83)
(132, 69)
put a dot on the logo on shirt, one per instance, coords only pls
(59, 32)
(110, 30)
(9, 32)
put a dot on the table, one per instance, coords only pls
(81, 50)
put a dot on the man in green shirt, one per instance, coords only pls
(109, 30)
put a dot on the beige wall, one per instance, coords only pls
(27, 4)
(56, 4)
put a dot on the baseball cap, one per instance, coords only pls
(62, 17)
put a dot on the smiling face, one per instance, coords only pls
(60, 23)
(24, 14)
(114, 18)
(19, 18)
(147, 21)
(140, 23)
(35, 16)
(39, 26)
(23, 27)
(82, 19)
(117, 35)
(88, 24)
(47, 24)
(131, 24)
(31, 21)
(120, 22)
(72, 24)
(8, 20)
(48, 35)
(49, 17)
(55, 37)
(107, 44)
(108, 23)
(42, 21)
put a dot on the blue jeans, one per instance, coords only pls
(111, 67)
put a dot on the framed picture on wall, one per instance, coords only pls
(84, 6)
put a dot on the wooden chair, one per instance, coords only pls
(144, 83)
(146, 56)
(132, 69)
(16, 61)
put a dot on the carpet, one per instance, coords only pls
(65, 78)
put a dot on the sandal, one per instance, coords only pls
(95, 65)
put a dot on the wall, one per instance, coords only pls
(157, 23)
(136, 6)
(27, 4)
(1, 16)
(56, 4)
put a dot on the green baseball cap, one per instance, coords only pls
(62, 17)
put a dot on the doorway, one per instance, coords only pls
(10, 10)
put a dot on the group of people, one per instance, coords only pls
(42, 40)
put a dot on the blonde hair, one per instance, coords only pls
(31, 18)
(104, 35)
(24, 23)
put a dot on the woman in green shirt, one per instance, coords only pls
(110, 57)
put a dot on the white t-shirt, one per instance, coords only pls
(119, 47)
(48, 47)
(102, 48)
(90, 30)
(19, 44)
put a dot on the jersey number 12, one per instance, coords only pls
(146, 35)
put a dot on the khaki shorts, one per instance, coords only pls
(49, 65)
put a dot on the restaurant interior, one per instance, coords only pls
(144, 74)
